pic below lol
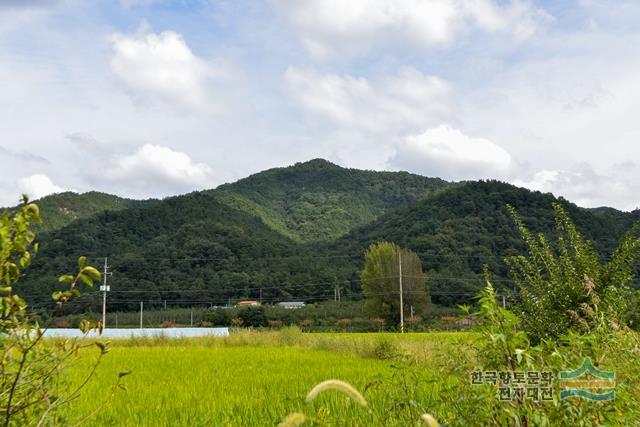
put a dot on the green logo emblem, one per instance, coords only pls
(595, 384)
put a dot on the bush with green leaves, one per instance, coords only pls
(217, 316)
(557, 281)
(253, 316)
(505, 346)
(632, 314)
(572, 307)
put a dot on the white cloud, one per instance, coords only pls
(163, 67)
(155, 171)
(38, 185)
(448, 153)
(583, 185)
(563, 106)
(404, 102)
(356, 26)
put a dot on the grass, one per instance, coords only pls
(187, 385)
(257, 378)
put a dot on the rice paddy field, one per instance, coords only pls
(258, 378)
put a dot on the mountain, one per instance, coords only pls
(249, 225)
(182, 243)
(458, 231)
(300, 231)
(320, 201)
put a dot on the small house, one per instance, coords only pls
(245, 303)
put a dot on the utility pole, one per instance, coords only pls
(192, 317)
(504, 302)
(261, 296)
(104, 288)
(335, 293)
(141, 308)
(401, 303)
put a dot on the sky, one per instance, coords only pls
(151, 98)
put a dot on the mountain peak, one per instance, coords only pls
(317, 163)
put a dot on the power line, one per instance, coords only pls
(429, 279)
(233, 257)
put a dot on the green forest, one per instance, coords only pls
(296, 233)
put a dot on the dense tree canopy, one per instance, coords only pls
(275, 234)
(381, 281)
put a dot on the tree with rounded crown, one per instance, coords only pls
(381, 281)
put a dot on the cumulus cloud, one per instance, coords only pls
(446, 152)
(586, 187)
(38, 185)
(329, 26)
(396, 104)
(162, 67)
(154, 171)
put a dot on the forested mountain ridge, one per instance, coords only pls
(309, 201)
(263, 217)
(61, 209)
(184, 242)
(320, 201)
(248, 239)
(458, 231)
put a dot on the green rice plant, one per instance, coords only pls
(222, 385)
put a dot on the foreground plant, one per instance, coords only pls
(563, 283)
(30, 368)
(505, 347)
(298, 418)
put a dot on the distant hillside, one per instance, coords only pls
(190, 248)
(58, 210)
(320, 201)
(459, 230)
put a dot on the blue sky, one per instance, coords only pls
(150, 98)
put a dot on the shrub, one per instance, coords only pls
(506, 347)
(253, 316)
(558, 282)
(632, 313)
(31, 370)
(385, 349)
(218, 316)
